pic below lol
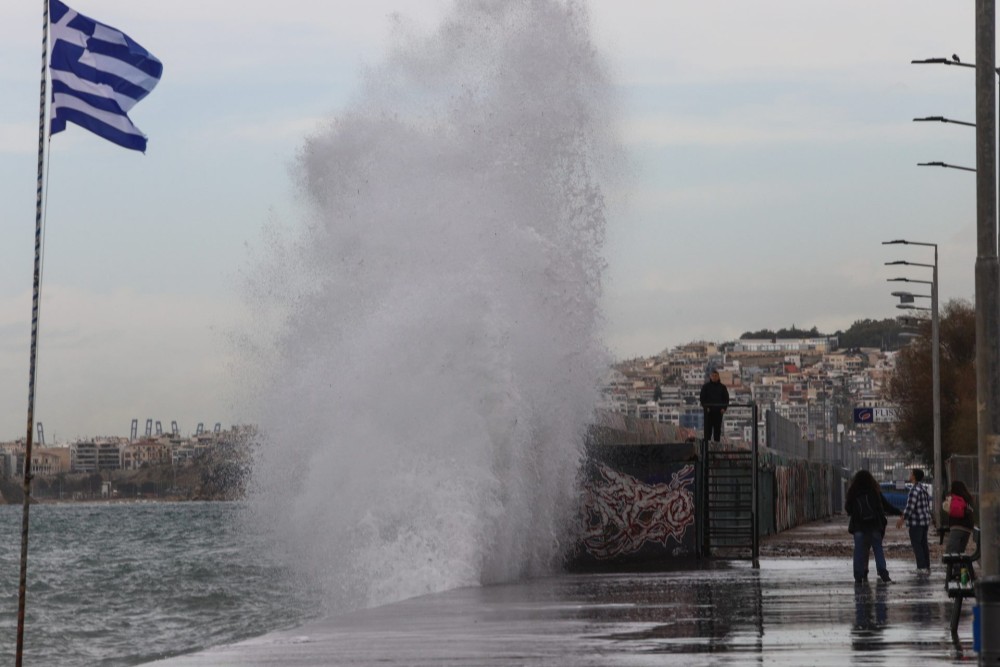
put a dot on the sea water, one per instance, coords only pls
(127, 583)
(429, 344)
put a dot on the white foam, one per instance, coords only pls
(433, 353)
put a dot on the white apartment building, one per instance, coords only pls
(693, 375)
(670, 415)
(785, 344)
(648, 410)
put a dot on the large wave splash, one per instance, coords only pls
(436, 353)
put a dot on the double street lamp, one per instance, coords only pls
(954, 61)
(906, 299)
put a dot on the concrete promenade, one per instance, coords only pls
(801, 607)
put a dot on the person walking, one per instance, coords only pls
(867, 508)
(714, 399)
(958, 508)
(918, 518)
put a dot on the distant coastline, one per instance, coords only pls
(209, 479)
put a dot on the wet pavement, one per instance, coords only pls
(793, 610)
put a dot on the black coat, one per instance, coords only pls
(881, 506)
(714, 396)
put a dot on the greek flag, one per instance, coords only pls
(98, 74)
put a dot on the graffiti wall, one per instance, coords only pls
(802, 491)
(641, 505)
(638, 505)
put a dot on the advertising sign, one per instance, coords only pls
(883, 415)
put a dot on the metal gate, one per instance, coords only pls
(730, 500)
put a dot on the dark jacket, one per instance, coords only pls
(880, 506)
(714, 396)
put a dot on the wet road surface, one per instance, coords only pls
(791, 611)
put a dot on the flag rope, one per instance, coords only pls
(35, 311)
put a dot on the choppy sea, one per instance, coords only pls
(127, 583)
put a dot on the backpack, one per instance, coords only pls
(956, 510)
(865, 510)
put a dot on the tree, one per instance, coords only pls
(793, 332)
(883, 334)
(911, 386)
(757, 335)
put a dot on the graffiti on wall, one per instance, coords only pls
(801, 493)
(624, 513)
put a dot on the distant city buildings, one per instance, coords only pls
(107, 454)
(810, 382)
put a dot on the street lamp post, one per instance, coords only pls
(935, 363)
(987, 270)
(987, 332)
(987, 274)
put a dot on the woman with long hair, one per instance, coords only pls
(959, 517)
(868, 508)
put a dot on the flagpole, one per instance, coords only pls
(35, 303)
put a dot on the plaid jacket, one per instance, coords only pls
(918, 506)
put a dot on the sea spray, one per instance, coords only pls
(430, 335)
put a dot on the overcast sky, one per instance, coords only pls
(771, 149)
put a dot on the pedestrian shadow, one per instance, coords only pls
(721, 616)
(871, 616)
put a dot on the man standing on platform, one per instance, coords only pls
(714, 400)
(917, 516)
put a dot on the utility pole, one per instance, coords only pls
(987, 331)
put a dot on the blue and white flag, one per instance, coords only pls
(98, 73)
